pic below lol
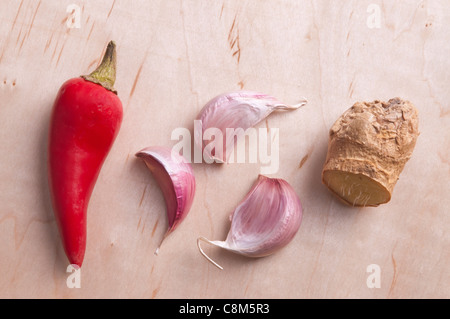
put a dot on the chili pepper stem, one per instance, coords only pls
(105, 74)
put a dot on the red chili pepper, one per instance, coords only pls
(86, 118)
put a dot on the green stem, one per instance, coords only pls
(105, 74)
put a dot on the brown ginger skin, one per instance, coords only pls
(368, 148)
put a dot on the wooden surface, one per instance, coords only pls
(173, 56)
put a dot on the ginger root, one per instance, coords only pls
(368, 148)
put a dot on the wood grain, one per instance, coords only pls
(174, 56)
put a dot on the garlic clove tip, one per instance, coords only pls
(206, 240)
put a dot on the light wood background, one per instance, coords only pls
(173, 56)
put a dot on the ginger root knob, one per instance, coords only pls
(368, 148)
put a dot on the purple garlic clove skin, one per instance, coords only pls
(176, 179)
(264, 222)
(241, 109)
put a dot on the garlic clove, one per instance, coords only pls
(241, 109)
(175, 177)
(265, 221)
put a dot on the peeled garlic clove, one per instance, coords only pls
(264, 222)
(176, 179)
(241, 109)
